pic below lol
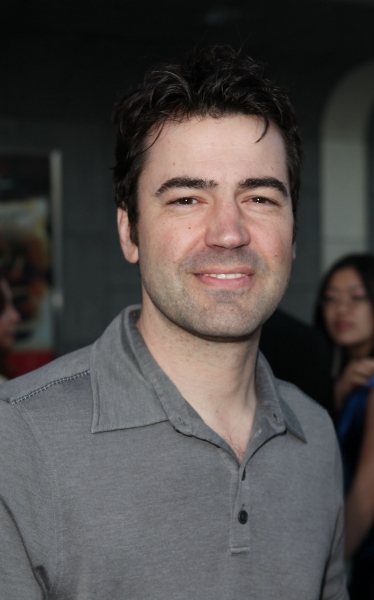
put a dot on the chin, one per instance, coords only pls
(346, 341)
(222, 327)
(221, 333)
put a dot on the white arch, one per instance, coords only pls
(344, 207)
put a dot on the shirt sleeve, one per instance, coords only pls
(334, 587)
(27, 522)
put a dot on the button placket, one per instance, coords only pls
(240, 522)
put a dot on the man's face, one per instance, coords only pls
(215, 226)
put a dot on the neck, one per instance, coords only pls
(360, 351)
(215, 377)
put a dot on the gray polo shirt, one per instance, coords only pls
(112, 487)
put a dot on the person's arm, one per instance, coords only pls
(357, 373)
(334, 585)
(359, 509)
(17, 577)
(27, 519)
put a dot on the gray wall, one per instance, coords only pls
(370, 171)
(300, 296)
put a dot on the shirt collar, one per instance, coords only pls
(131, 390)
(271, 405)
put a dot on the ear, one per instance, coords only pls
(294, 251)
(129, 249)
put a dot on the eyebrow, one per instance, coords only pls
(197, 183)
(351, 288)
(265, 182)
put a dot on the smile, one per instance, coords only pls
(224, 275)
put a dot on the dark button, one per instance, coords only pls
(243, 517)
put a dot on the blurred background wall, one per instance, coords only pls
(64, 63)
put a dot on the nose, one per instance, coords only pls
(344, 303)
(342, 307)
(226, 227)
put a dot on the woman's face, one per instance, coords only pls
(348, 313)
(8, 318)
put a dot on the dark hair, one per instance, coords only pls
(2, 299)
(213, 82)
(363, 264)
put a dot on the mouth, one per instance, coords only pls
(222, 275)
(233, 279)
(342, 325)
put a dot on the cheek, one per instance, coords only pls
(328, 316)
(366, 320)
(166, 241)
(278, 247)
(274, 237)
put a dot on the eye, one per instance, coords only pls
(261, 200)
(184, 201)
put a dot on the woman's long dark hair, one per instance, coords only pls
(363, 264)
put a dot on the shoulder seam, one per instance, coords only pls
(45, 387)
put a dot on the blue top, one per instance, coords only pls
(350, 432)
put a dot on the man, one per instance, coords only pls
(165, 461)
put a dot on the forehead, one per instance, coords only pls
(229, 147)
(345, 278)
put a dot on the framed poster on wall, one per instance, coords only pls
(30, 252)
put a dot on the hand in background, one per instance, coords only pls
(357, 373)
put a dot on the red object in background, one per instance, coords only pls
(20, 362)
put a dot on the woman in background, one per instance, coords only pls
(9, 318)
(345, 314)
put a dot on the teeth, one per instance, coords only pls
(226, 275)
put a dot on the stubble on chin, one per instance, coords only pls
(216, 314)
